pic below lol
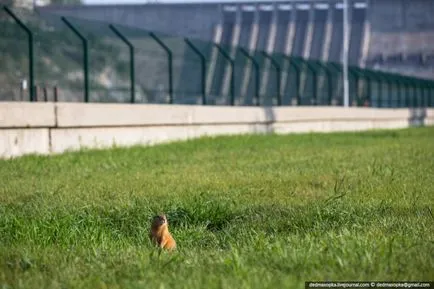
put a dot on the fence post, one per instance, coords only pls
(45, 92)
(407, 91)
(415, 92)
(31, 53)
(428, 86)
(428, 92)
(374, 76)
(400, 90)
(338, 68)
(355, 76)
(381, 80)
(203, 67)
(131, 47)
(412, 99)
(353, 72)
(232, 64)
(424, 95)
(386, 77)
(256, 66)
(368, 81)
(293, 63)
(389, 89)
(420, 92)
(315, 78)
(431, 93)
(328, 73)
(169, 60)
(358, 72)
(398, 85)
(278, 75)
(380, 85)
(329, 82)
(55, 90)
(36, 93)
(85, 57)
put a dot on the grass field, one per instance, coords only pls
(247, 212)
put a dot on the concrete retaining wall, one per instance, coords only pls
(45, 128)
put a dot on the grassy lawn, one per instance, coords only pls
(246, 211)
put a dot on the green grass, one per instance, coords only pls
(247, 212)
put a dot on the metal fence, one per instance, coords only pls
(55, 58)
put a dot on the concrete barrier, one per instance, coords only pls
(58, 127)
(429, 120)
(17, 142)
(103, 115)
(26, 114)
(75, 138)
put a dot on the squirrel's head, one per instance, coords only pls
(159, 220)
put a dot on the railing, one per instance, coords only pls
(54, 58)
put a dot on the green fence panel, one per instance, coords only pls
(337, 92)
(360, 97)
(85, 56)
(267, 87)
(231, 62)
(307, 82)
(292, 79)
(59, 59)
(328, 81)
(431, 93)
(30, 44)
(132, 63)
(254, 77)
(70, 59)
(276, 79)
(202, 58)
(107, 61)
(190, 67)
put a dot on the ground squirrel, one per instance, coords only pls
(160, 234)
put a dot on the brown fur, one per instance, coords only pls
(160, 234)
